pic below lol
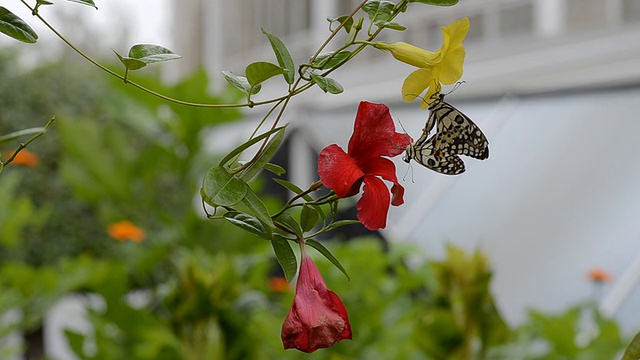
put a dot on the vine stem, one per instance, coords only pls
(134, 84)
(322, 47)
(396, 11)
(294, 88)
(31, 139)
(315, 186)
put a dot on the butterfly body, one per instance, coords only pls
(455, 135)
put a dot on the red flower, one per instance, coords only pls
(374, 136)
(317, 319)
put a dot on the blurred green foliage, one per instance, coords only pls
(197, 289)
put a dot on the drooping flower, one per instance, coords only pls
(25, 157)
(599, 275)
(317, 318)
(444, 66)
(126, 230)
(374, 136)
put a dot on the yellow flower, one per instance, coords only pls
(126, 230)
(444, 66)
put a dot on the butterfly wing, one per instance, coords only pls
(457, 133)
(426, 154)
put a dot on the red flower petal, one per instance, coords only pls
(398, 193)
(338, 171)
(374, 134)
(374, 204)
(317, 319)
(387, 170)
(400, 143)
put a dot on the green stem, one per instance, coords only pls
(320, 201)
(363, 43)
(315, 186)
(31, 139)
(295, 85)
(264, 119)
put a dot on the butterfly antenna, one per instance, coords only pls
(403, 129)
(420, 97)
(456, 86)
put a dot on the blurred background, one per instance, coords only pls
(545, 230)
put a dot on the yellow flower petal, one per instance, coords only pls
(409, 54)
(443, 66)
(454, 33)
(450, 69)
(416, 82)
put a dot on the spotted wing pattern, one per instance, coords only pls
(424, 152)
(455, 135)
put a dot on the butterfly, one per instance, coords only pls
(455, 135)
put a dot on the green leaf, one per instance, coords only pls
(293, 187)
(340, 19)
(324, 251)
(290, 223)
(150, 54)
(12, 26)
(40, 3)
(264, 157)
(327, 84)
(276, 169)
(221, 188)
(308, 218)
(379, 10)
(286, 257)
(19, 133)
(141, 55)
(331, 59)
(283, 56)
(320, 212)
(252, 205)
(436, 2)
(75, 341)
(247, 223)
(390, 25)
(247, 145)
(241, 83)
(633, 350)
(261, 71)
(129, 63)
(85, 2)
